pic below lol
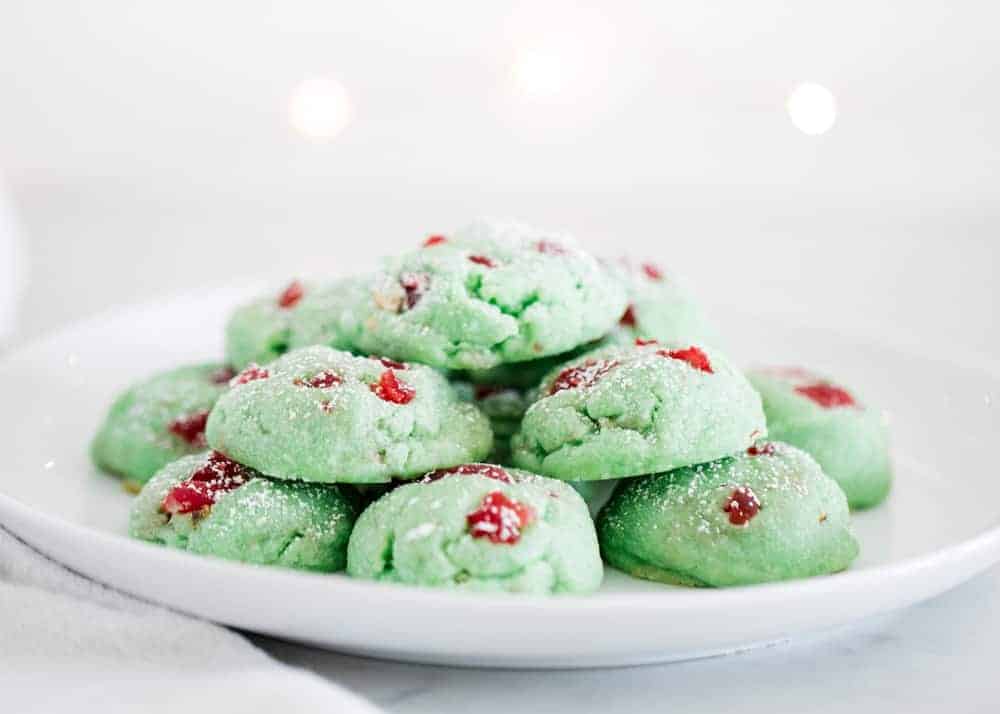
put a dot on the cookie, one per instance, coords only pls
(659, 306)
(479, 527)
(640, 409)
(318, 414)
(209, 505)
(298, 316)
(490, 294)
(503, 406)
(768, 514)
(158, 420)
(848, 438)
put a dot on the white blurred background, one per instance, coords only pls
(150, 148)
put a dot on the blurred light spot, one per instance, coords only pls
(49, 465)
(812, 108)
(539, 74)
(319, 109)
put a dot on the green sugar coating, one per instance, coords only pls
(346, 433)
(660, 306)
(673, 527)
(850, 442)
(135, 440)
(266, 522)
(418, 534)
(637, 412)
(492, 293)
(261, 331)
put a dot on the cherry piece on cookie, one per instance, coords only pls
(390, 389)
(488, 470)
(190, 428)
(742, 505)
(692, 355)
(434, 240)
(218, 474)
(250, 374)
(827, 396)
(500, 519)
(584, 375)
(291, 295)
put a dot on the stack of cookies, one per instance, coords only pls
(496, 410)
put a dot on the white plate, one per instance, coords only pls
(940, 526)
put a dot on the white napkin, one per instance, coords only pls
(68, 644)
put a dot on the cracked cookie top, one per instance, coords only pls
(638, 409)
(318, 414)
(492, 293)
(208, 504)
(479, 527)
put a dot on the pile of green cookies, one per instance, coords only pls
(449, 421)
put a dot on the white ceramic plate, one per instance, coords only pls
(940, 526)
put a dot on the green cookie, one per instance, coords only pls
(302, 315)
(850, 440)
(318, 414)
(504, 406)
(492, 293)
(628, 411)
(750, 519)
(209, 505)
(479, 527)
(659, 308)
(158, 420)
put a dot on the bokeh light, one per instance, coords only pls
(812, 108)
(320, 108)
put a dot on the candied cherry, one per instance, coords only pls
(291, 295)
(628, 317)
(223, 375)
(642, 342)
(549, 247)
(434, 240)
(323, 380)
(767, 449)
(190, 428)
(414, 285)
(499, 518)
(388, 388)
(692, 355)
(488, 470)
(482, 260)
(652, 271)
(217, 475)
(390, 363)
(827, 395)
(742, 505)
(585, 375)
(252, 373)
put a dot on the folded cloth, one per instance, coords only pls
(68, 644)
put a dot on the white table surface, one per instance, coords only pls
(85, 245)
(935, 657)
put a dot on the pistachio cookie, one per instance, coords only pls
(299, 316)
(504, 406)
(659, 306)
(767, 514)
(318, 414)
(209, 505)
(158, 420)
(491, 293)
(848, 438)
(631, 410)
(479, 527)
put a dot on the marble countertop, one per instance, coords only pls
(937, 656)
